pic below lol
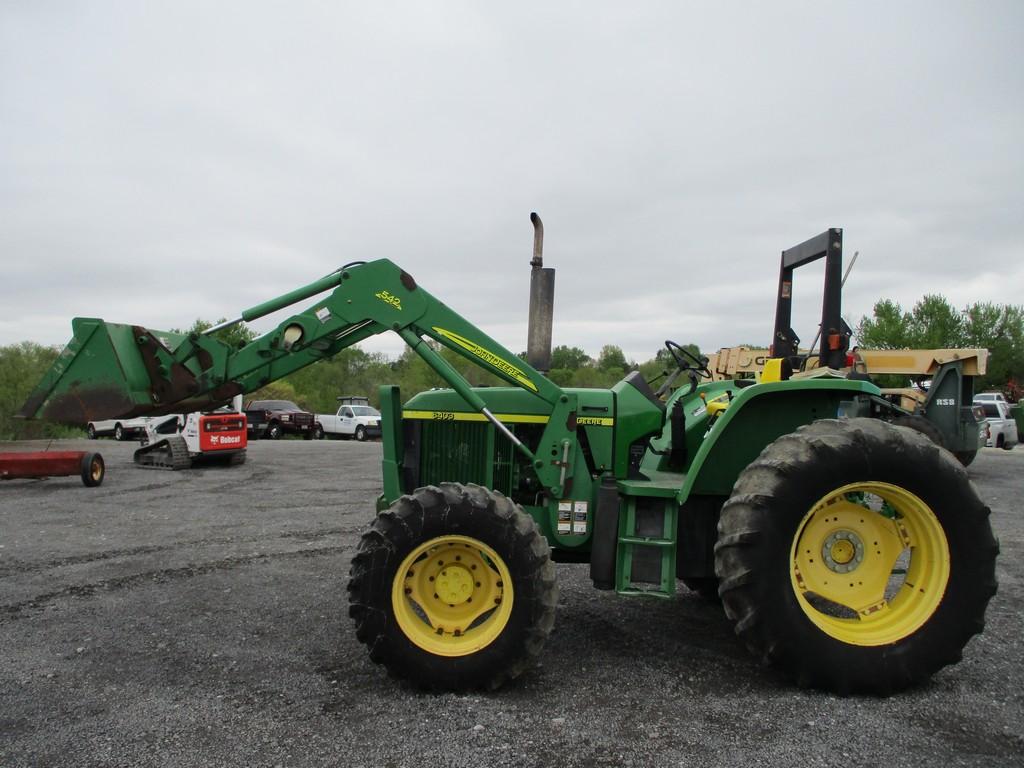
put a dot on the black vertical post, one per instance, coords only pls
(834, 334)
(834, 342)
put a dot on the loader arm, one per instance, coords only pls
(113, 371)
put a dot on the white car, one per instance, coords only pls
(126, 429)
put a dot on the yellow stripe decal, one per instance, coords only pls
(488, 357)
(508, 418)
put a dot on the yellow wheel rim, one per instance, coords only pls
(452, 596)
(869, 563)
(96, 469)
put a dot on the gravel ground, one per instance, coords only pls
(200, 618)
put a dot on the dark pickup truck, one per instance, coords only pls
(274, 418)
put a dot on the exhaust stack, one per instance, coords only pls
(542, 303)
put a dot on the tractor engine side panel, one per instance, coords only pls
(441, 441)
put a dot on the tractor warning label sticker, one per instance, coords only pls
(565, 517)
(323, 314)
(579, 519)
(572, 518)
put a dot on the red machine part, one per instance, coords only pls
(222, 432)
(87, 465)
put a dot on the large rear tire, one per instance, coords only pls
(966, 457)
(922, 425)
(453, 588)
(856, 556)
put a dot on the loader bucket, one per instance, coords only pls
(103, 373)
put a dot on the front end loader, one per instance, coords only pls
(851, 553)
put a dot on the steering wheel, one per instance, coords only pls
(687, 361)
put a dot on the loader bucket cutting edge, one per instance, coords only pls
(79, 406)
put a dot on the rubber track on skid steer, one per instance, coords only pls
(169, 453)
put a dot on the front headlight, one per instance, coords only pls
(286, 417)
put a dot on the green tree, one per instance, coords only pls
(934, 323)
(350, 372)
(21, 367)
(1000, 330)
(888, 328)
(237, 335)
(612, 360)
(589, 376)
(278, 390)
(569, 357)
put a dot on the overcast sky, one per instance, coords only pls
(166, 161)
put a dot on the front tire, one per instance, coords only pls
(856, 556)
(453, 589)
(118, 432)
(360, 433)
(273, 431)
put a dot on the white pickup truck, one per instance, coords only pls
(360, 421)
(1002, 426)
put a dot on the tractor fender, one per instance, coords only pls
(757, 416)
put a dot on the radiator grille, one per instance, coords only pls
(456, 451)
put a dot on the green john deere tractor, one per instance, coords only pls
(851, 553)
